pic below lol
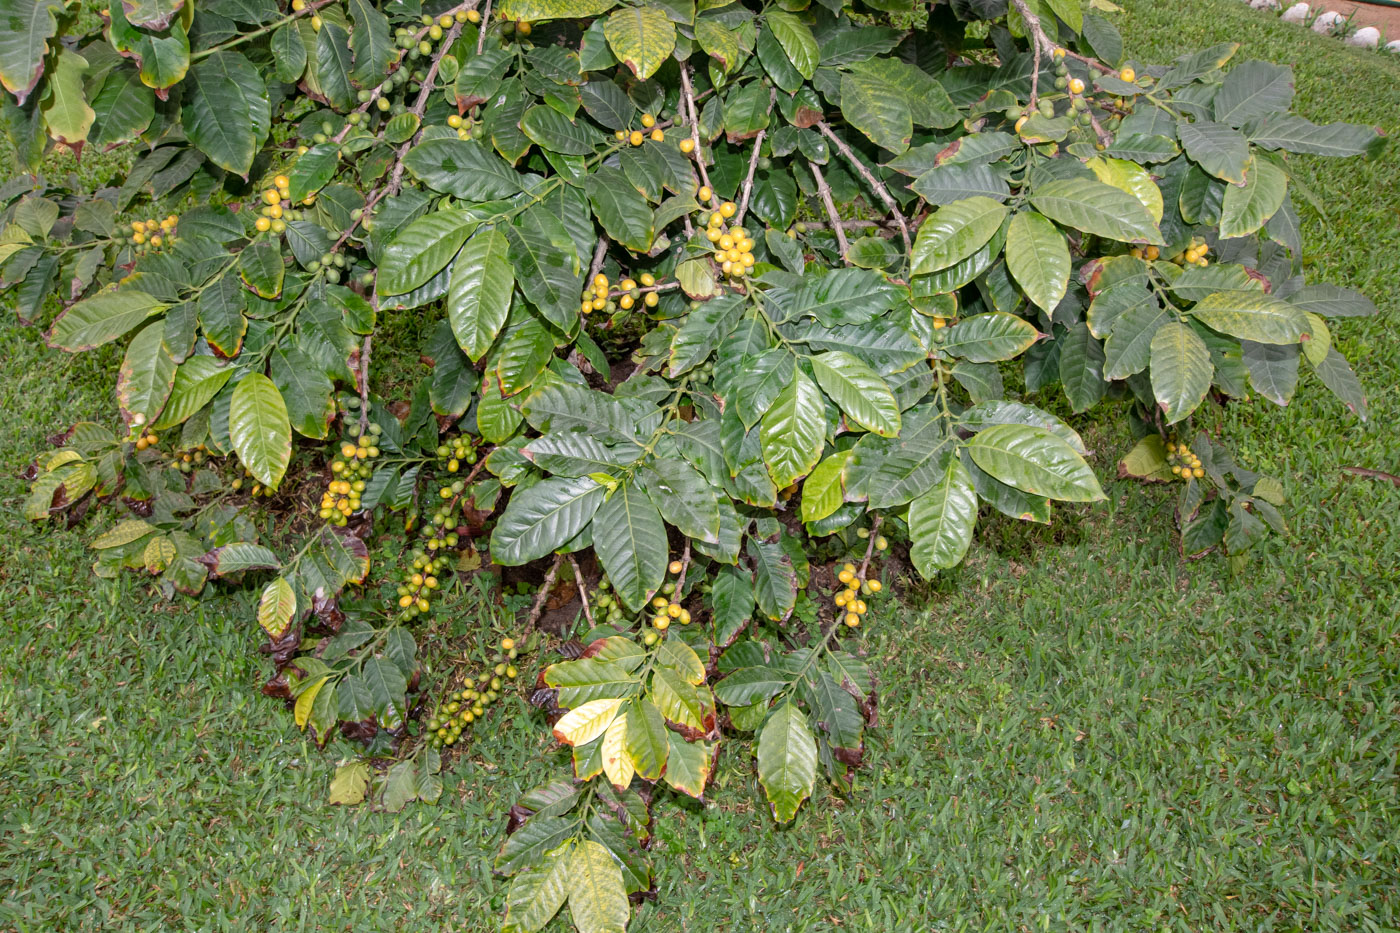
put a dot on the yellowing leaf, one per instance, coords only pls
(276, 607)
(302, 710)
(585, 723)
(350, 783)
(617, 764)
(1132, 178)
(641, 37)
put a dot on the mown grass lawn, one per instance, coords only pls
(1079, 730)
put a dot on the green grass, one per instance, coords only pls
(1079, 730)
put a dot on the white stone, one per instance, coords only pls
(1326, 22)
(1367, 37)
(1264, 4)
(1297, 13)
(1393, 47)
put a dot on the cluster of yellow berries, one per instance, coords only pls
(147, 439)
(440, 530)
(848, 599)
(350, 471)
(463, 125)
(599, 296)
(1195, 254)
(465, 706)
(418, 583)
(667, 609)
(1145, 252)
(276, 201)
(153, 234)
(187, 460)
(733, 245)
(637, 137)
(881, 542)
(1183, 462)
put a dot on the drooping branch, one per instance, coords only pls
(875, 184)
(824, 191)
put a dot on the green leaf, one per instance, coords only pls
(371, 43)
(227, 114)
(620, 208)
(479, 292)
(197, 381)
(259, 429)
(1219, 149)
(422, 250)
(775, 581)
(1246, 209)
(305, 389)
(879, 110)
(1081, 367)
(858, 391)
(688, 764)
(65, 107)
(101, 319)
(701, 331)
(29, 25)
(546, 271)
(1336, 373)
(684, 497)
(332, 64)
(1037, 256)
(288, 53)
(537, 892)
(718, 41)
(989, 337)
(796, 39)
(261, 268)
(1254, 89)
(312, 170)
(1035, 461)
(630, 542)
(824, 490)
(646, 742)
(842, 296)
(1295, 134)
(1090, 205)
(1181, 370)
(146, 376)
(787, 760)
(544, 517)
(912, 465)
(941, 521)
(749, 685)
(793, 431)
(123, 108)
(529, 11)
(1128, 348)
(551, 130)
(945, 184)
(1251, 315)
(641, 37)
(955, 232)
(463, 168)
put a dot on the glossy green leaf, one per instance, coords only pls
(1251, 316)
(796, 39)
(29, 25)
(422, 250)
(941, 521)
(100, 319)
(630, 541)
(479, 292)
(793, 431)
(1090, 205)
(824, 490)
(1219, 149)
(1246, 209)
(955, 232)
(989, 337)
(1035, 461)
(543, 517)
(227, 114)
(858, 391)
(259, 429)
(1037, 256)
(1181, 370)
(787, 760)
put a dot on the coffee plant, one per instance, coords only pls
(719, 298)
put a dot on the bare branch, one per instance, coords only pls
(876, 185)
(481, 30)
(870, 548)
(600, 253)
(748, 179)
(537, 609)
(689, 99)
(824, 190)
(582, 591)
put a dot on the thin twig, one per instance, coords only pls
(582, 591)
(699, 152)
(364, 380)
(748, 179)
(685, 565)
(824, 190)
(870, 179)
(481, 31)
(537, 609)
(1105, 137)
(1372, 474)
(870, 548)
(600, 253)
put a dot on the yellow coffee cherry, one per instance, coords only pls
(454, 121)
(282, 181)
(842, 598)
(626, 302)
(272, 196)
(875, 586)
(852, 620)
(524, 29)
(657, 136)
(660, 602)
(846, 576)
(636, 138)
(674, 610)
(728, 209)
(704, 194)
(651, 299)
(138, 238)
(627, 285)
(649, 280)
(620, 135)
(648, 120)
(687, 146)
(661, 623)
(473, 16)
(675, 566)
(600, 282)
(1076, 86)
(1127, 74)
